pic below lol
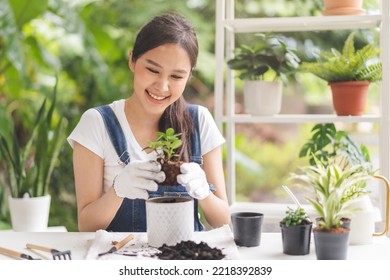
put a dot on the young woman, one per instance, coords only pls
(113, 184)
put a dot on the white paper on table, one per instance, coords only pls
(221, 238)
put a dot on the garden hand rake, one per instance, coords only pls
(57, 255)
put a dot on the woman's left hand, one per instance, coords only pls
(193, 178)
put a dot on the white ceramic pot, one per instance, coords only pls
(262, 98)
(30, 214)
(169, 220)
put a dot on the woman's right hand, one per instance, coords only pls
(137, 178)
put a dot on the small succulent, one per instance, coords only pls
(295, 217)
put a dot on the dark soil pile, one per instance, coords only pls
(189, 250)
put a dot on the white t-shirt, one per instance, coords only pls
(92, 134)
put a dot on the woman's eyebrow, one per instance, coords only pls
(183, 71)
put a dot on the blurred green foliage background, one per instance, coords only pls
(86, 44)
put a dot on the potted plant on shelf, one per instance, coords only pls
(165, 146)
(29, 167)
(343, 7)
(263, 67)
(296, 232)
(349, 74)
(334, 187)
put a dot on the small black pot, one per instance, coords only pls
(296, 239)
(331, 246)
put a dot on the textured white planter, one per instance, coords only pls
(30, 213)
(169, 222)
(262, 98)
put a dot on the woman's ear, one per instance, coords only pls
(131, 63)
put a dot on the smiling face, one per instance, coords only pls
(160, 77)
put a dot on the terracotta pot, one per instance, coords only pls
(343, 7)
(349, 98)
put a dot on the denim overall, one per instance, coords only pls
(131, 215)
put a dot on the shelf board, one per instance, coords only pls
(317, 23)
(298, 118)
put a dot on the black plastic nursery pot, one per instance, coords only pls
(331, 246)
(296, 239)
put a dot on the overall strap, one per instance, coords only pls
(196, 154)
(115, 132)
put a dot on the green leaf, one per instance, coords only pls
(26, 10)
(11, 36)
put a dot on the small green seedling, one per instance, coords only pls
(166, 144)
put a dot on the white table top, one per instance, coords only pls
(270, 247)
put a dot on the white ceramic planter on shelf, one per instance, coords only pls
(262, 98)
(30, 214)
(169, 220)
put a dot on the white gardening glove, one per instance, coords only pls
(137, 178)
(194, 180)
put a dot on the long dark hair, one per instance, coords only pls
(171, 28)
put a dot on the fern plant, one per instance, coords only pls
(348, 65)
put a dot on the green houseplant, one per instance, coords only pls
(262, 67)
(270, 59)
(327, 142)
(296, 232)
(29, 167)
(165, 146)
(349, 74)
(334, 186)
